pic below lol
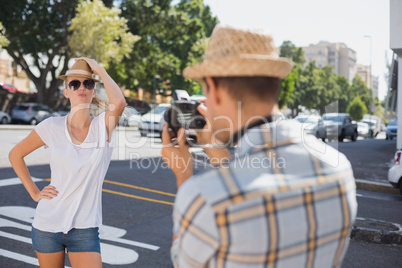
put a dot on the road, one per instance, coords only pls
(138, 194)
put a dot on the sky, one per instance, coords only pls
(305, 22)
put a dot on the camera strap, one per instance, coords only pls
(237, 135)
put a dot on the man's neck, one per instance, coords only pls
(253, 112)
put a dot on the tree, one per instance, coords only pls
(195, 56)
(37, 31)
(290, 51)
(103, 37)
(309, 86)
(359, 88)
(168, 35)
(288, 87)
(344, 97)
(330, 90)
(289, 95)
(3, 40)
(357, 109)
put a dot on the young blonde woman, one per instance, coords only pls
(80, 146)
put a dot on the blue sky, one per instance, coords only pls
(309, 21)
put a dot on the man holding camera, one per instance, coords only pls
(278, 201)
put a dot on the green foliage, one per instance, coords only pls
(172, 37)
(196, 56)
(290, 51)
(99, 33)
(357, 109)
(3, 40)
(288, 87)
(359, 88)
(344, 97)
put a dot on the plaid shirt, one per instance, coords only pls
(284, 200)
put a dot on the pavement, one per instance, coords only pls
(368, 230)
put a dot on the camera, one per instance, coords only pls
(183, 113)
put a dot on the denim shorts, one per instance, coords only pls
(76, 240)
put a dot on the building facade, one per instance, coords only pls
(338, 55)
(371, 81)
(11, 73)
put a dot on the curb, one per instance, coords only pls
(376, 186)
(16, 127)
(377, 231)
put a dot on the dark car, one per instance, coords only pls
(340, 126)
(141, 107)
(31, 113)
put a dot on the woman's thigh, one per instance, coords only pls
(85, 259)
(51, 260)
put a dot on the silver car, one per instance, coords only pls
(31, 113)
(313, 125)
(395, 172)
(152, 122)
(4, 118)
(130, 117)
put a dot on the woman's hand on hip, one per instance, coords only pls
(47, 193)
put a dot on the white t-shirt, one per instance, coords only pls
(77, 172)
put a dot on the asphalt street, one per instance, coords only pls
(138, 194)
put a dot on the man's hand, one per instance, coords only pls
(217, 152)
(176, 155)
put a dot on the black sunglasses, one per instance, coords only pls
(75, 84)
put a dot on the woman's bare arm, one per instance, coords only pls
(16, 157)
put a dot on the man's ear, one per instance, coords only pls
(214, 90)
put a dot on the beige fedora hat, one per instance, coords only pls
(81, 69)
(235, 52)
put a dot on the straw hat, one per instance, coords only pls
(81, 69)
(235, 52)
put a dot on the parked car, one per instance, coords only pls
(153, 121)
(130, 117)
(314, 125)
(395, 172)
(4, 118)
(9, 87)
(340, 126)
(374, 123)
(64, 111)
(363, 129)
(142, 107)
(31, 113)
(392, 130)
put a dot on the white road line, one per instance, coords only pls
(132, 243)
(19, 257)
(14, 181)
(15, 237)
(111, 254)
